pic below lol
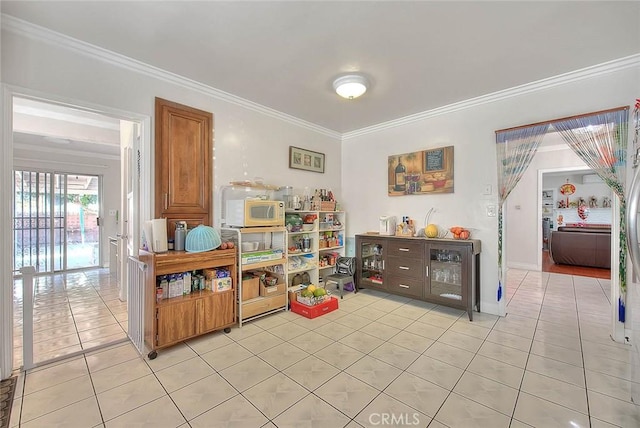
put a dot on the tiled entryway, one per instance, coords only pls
(379, 360)
(72, 312)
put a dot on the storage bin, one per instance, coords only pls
(273, 290)
(311, 301)
(328, 206)
(250, 287)
(315, 311)
(262, 305)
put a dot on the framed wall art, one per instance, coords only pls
(306, 159)
(421, 173)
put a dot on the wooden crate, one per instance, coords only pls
(328, 206)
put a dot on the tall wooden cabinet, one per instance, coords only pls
(183, 164)
(442, 271)
(169, 321)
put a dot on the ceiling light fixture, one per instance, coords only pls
(350, 86)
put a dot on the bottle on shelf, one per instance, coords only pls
(180, 237)
(399, 177)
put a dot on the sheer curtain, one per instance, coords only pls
(600, 140)
(515, 149)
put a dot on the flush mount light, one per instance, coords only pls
(350, 86)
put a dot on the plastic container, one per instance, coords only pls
(202, 238)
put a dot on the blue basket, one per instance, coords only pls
(202, 238)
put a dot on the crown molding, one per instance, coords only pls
(550, 82)
(36, 32)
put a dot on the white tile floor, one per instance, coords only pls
(379, 360)
(72, 312)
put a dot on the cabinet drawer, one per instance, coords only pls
(406, 248)
(404, 285)
(264, 304)
(413, 268)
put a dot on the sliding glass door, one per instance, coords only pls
(56, 223)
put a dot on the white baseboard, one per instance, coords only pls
(523, 266)
(490, 308)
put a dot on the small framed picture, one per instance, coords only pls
(306, 159)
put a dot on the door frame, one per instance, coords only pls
(7, 93)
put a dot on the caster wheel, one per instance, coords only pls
(152, 355)
(227, 330)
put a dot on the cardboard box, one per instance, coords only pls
(274, 290)
(328, 206)
(315, 311)
(222, 284)
(175, 288)
(250, 287)
(215, 273)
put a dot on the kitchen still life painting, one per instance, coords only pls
(306, 159)
(421, 173)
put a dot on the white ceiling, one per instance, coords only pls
(285, 55)
(45, 127)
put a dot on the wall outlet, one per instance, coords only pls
(112, 213)
(491, 210)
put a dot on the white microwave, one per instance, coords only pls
(254, 212)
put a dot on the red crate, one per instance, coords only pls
(316, 310)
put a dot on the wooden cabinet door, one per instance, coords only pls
(176, 322)
(216, 311)
(183, 158)
(371, 260)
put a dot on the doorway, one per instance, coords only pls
(56, 225)
(61, 156)
(559, 212)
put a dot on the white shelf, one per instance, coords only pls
(301, 253)
(590, 209)
(267, 237)
(320, 230)
(339, 247)
(305, 269)
(304, 232)
(262, 265)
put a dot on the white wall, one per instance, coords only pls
(472, 133)
(595, 215)
(247, 143)
(585, 191)
(108, 169)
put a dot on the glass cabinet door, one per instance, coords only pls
(446, 273)
(371, 263)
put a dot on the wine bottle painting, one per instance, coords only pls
(422, 172)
